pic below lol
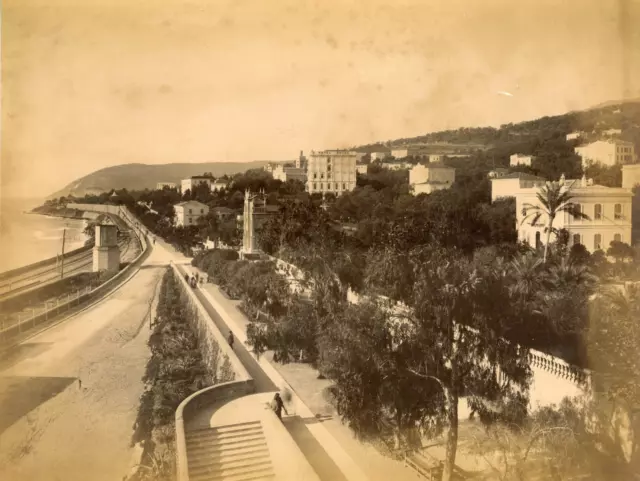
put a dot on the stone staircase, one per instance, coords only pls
(235, 452)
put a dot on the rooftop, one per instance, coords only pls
(521, 176)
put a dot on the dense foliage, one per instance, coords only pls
(174, 371)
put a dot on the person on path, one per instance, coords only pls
(230, 339)
(186, 278)
(79, 383)
(278, 406)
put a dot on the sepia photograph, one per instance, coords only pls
(320, 240)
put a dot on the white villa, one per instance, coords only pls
(608, 208)
(192, 182)
(425, 179)
(520, 159)
(188, 212)
(607, 152)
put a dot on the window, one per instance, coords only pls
(336, 186)
(597, 212)
(344, 186)
(329, 168)
(322, 175)
(576, 239)
(597, 241)
(189, 211)
(617, 211)
(315, 186)
(578, 209)
(315, 175)
(617, 238)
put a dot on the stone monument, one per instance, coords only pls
(249, 248)
(106, 254)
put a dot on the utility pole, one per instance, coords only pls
(64, 233)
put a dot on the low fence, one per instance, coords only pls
(74, 302)
(215, 348)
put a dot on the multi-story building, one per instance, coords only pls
(508, 185)
(608, 209)
(192, 182)
(607, 152)
(520, 159)
(169, 185)
(435, 158)
(188, 212)
(425, 179)
(331, 171)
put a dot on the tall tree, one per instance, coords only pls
(449, 340)
(553, 198)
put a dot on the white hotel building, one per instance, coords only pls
(331, 171)
(607, 152)
(608, 208)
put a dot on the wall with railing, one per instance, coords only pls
(214, 348)
(53, 310)
(51, 261)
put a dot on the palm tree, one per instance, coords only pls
(553, 199)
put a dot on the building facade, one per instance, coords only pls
(608, 209)
(192, 182)
(379, 155)
(607, 152)
(509, 185)
(169, 185)
(520, 159)
(630, 176)
(188, 212)
(219, 185)
(397, 165)
(400, 153)
(284, 173)
(331, 171)
(425, 179)
(573, 135)
(362, 168)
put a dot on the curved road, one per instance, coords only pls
(53, 429)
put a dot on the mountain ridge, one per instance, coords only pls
(134, 176)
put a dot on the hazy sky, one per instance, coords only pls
(92, 83)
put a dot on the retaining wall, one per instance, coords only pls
(215, 348)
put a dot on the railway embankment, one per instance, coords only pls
(46, 296)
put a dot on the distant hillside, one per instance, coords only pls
(593, 121)
(144, 176)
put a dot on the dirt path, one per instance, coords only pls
(51, 428)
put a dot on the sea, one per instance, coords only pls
(26, 238)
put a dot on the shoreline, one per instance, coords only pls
(71, 246)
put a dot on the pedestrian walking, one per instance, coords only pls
(79, 383)
(230, 339)
(186, 278)
(278, 406)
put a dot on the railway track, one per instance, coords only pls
(43, 276)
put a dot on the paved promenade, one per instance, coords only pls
(328, 444)
(51, 428)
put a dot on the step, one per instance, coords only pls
(248, 477)
(223, 434)
(237, 449)
(230, 456)
(214, 442)
(235, 474)
(224, 427)
(252, 461)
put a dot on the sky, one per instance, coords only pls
(88, 84)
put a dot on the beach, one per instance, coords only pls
(26, 238)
